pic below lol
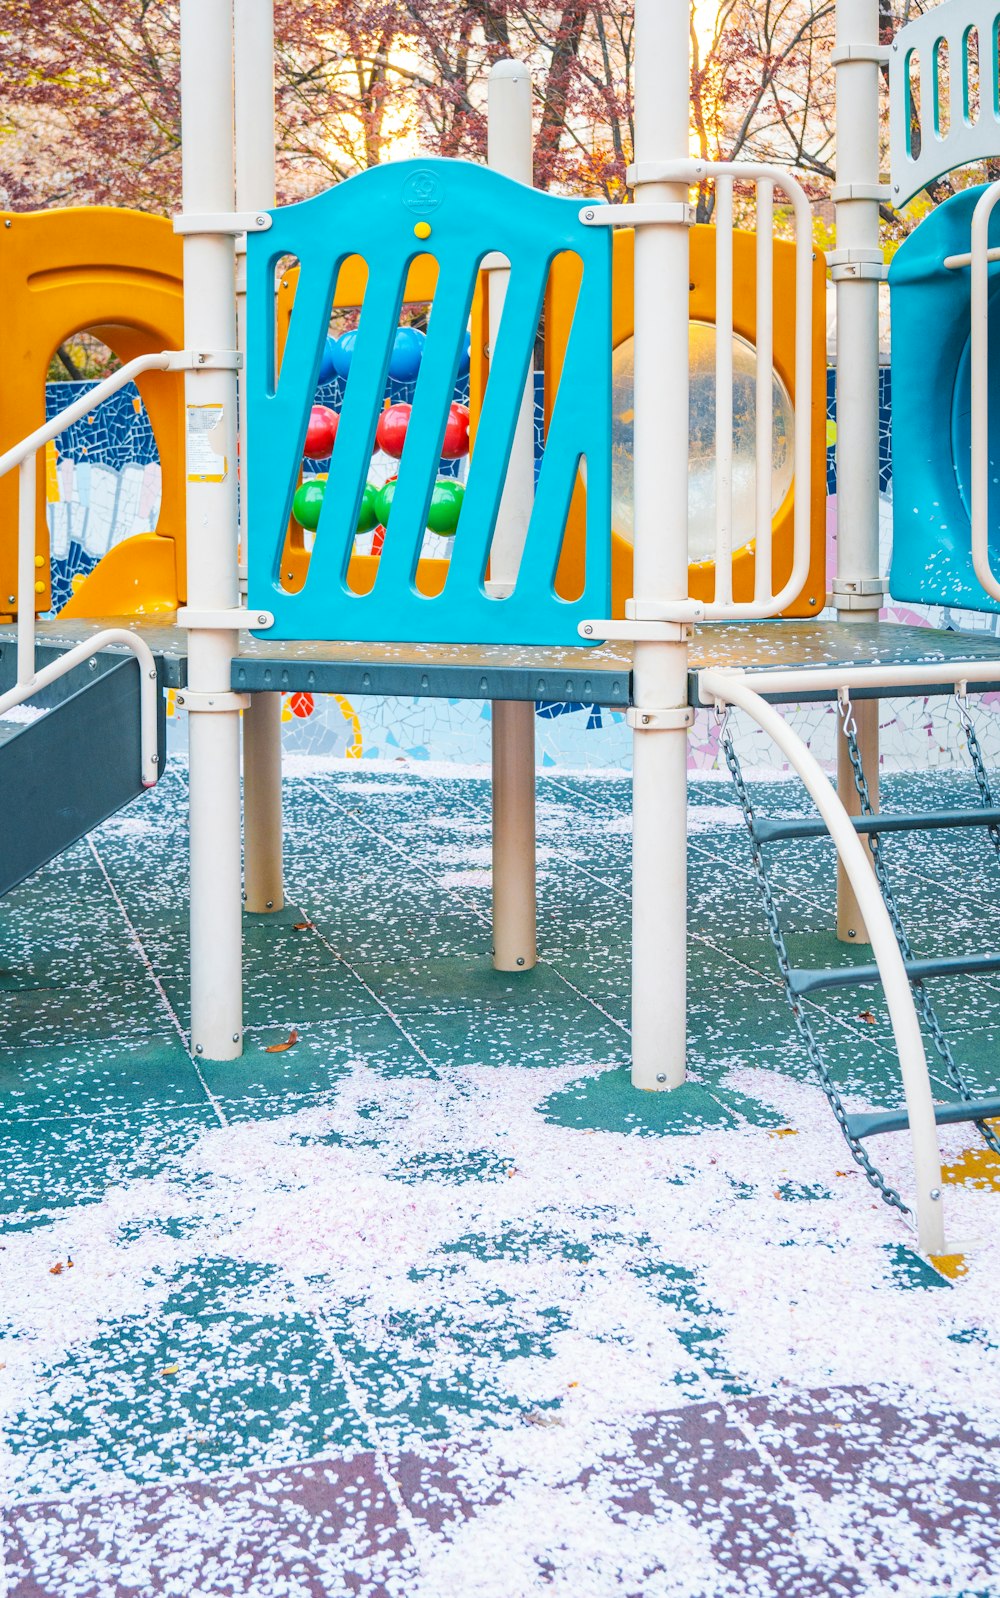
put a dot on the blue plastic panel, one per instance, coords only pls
(931, 534)
(471, 212)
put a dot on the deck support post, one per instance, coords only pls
(513, 726)
(857, 591)
(659, 781)
(253, 55)
(212, 566)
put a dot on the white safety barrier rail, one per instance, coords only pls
(981, 471)
(943, 86)
(766, 180)
(23, 456)
(767, 601)
(746, 690)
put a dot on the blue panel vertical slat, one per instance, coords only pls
(270, 473)
(355, 439)
(508, 374)
(470, 212)
(584, 389)
(425, 434)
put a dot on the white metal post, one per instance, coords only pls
(659, 780)
(253, 55)
(513, 728)
(857, 269)
(213, 578)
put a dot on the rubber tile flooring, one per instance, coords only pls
(419, 1297)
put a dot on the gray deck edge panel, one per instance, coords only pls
(258, 674)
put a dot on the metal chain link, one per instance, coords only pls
(921, 996)
(802, 1021)
(978, 763)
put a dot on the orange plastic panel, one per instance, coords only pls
(116, 274)
(559, 310)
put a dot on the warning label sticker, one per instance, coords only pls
(206, 457)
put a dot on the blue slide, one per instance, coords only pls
(929, 303)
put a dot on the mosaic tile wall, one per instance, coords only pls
(104, 487)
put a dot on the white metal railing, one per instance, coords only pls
(766, 180)
(943, 83)
(980, 471)
(746, 691)
(644, 616)
(23, 456)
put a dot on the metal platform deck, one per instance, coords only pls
(592, 676)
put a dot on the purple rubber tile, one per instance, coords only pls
(303, 1531)
(917, 1489)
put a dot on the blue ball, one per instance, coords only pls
(328, 364)
(407, 353)
(342, 352)
(466, 356)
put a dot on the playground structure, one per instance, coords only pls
(536, 590)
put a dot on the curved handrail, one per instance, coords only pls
(105, 639)
(979, 390)
(22, 456)
(731, 688)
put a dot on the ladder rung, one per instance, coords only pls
(769, 829)
(874, 1121)
(850, 976)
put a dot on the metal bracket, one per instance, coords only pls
(861, 191)
(224, 620)
(867, 593)
(224, 222)
(677, 612)
(637, 215)
(677, 719)
(857, 264)
(204, 361)
(190, 699)
(642, 632)
(872, 54)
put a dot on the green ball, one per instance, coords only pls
(446, 504)
(308, 502)
(368, 513)
(382, 501)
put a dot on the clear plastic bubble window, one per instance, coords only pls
(701, 479)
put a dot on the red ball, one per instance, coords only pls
(456, 433)
(320, 433)
(390, 434)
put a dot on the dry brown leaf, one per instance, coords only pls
(170, 1370)
(869, 1016)
(279, 1048)
(302, 926)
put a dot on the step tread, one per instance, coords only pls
(803, 981)
(870, 1122)
(780, 829)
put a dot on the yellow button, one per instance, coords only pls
(39, 560)
(39, 588)
(422, 230)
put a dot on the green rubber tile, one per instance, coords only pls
(428, 1372)
(442, 984)
(609, 1103)
(574, 1033)
(289, 974)
(908, 1269)
(97, 1079)
(261, 1082)
(49, 1165)
(60, 1015)
(218, 1369)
